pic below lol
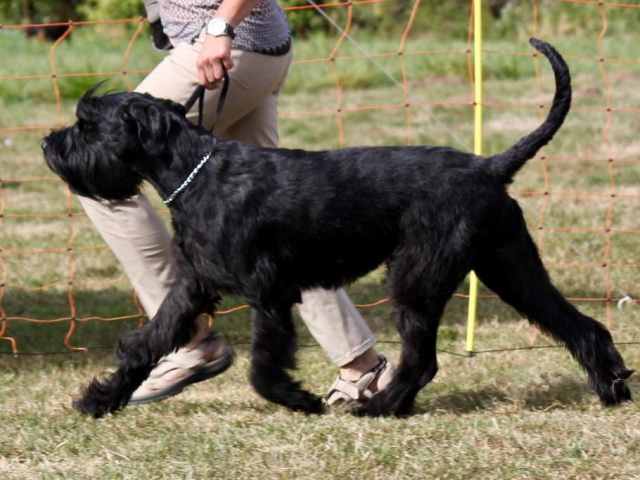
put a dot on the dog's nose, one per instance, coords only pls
(43, 144)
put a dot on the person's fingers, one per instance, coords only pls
(201, 78)
(214, 58)
(228, 63)
(211, 75)
(218, 70)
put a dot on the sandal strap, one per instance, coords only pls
(184, 358)
(171, 378)
(346, 391)
(346, 387)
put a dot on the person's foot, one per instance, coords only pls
(173, 373)
(347, 394)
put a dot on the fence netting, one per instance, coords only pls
(580, 194)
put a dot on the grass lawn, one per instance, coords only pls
(504, 414)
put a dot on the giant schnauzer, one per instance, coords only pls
(266, 224)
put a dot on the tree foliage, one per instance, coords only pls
(38, 11)
(509, 18)
(103, 9)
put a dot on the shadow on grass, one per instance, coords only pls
(562, 394)
(558, 394)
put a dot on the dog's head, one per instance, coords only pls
(117, 139)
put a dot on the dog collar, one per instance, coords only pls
(189, 179)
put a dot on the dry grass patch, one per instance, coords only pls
(510, 414)
(516, 415)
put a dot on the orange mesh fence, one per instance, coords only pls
(602, 246)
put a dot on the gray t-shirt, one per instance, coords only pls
(265, 30)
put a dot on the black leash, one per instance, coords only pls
(198, 94)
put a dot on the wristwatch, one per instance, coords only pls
(219, 28)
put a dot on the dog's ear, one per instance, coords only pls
(156, 122)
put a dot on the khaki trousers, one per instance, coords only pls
(138, 236)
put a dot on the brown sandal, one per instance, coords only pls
(184, 367)
(347, 394)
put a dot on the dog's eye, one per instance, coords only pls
(85, 127)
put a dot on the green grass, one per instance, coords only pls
(536, 420)
(512, 414)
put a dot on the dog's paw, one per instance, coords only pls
(617, 392)
(614, 392)
(110, 395)
(96, 408)
(373, 407)
(303, 401)
(382, 404)
(93, 409)
(368, 409)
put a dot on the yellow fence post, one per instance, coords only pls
(477, 149)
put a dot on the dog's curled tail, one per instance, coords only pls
(505, 165)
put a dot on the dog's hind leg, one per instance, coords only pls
(274, 343)
(140, 350)
(516, 273)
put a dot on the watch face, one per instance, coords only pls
(219, 27)
(216, 27)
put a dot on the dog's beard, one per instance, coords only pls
(89, 168)
(118, 141)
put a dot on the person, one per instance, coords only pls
(252, 40)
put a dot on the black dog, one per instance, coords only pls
(266, 224)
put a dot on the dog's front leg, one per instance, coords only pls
(140, 350)
(274, 348)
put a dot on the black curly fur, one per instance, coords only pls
(266, 224)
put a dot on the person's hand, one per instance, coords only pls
(215, 56)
